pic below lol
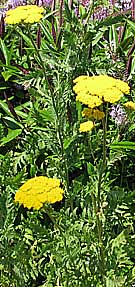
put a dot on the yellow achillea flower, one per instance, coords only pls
(95, 90)
(39, 190)
(93, 113)
(89, 100)
(130, 105)
(24, 14)
(86, 126)
(98, 115)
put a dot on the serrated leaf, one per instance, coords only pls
(48, 115)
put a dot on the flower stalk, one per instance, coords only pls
(48, 212)
(99, 203)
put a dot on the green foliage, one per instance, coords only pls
(88, 238)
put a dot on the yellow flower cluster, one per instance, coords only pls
(86, 126)
(95, 90)
(39, 190)
(24, 14)
(93, 113)
(130, 105)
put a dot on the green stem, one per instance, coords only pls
(103, 166)
(99, 201)
(55, 108)
(60, 139)
(91, 149)
(52, 219)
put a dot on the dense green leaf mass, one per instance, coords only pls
(88, 238)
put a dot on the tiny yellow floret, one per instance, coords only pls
(86, 126)
(39, 190)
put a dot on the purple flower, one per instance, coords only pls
(121, 4)
(119, 115)
(85, 3)
(103, 12)
(3, 11)
(76, 11)
(45, 3)
(11, 4)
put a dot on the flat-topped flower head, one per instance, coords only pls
(24, 14)
(95, 90)
(93, 114)
(39, 190)
(86, 126)
(130, 105)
